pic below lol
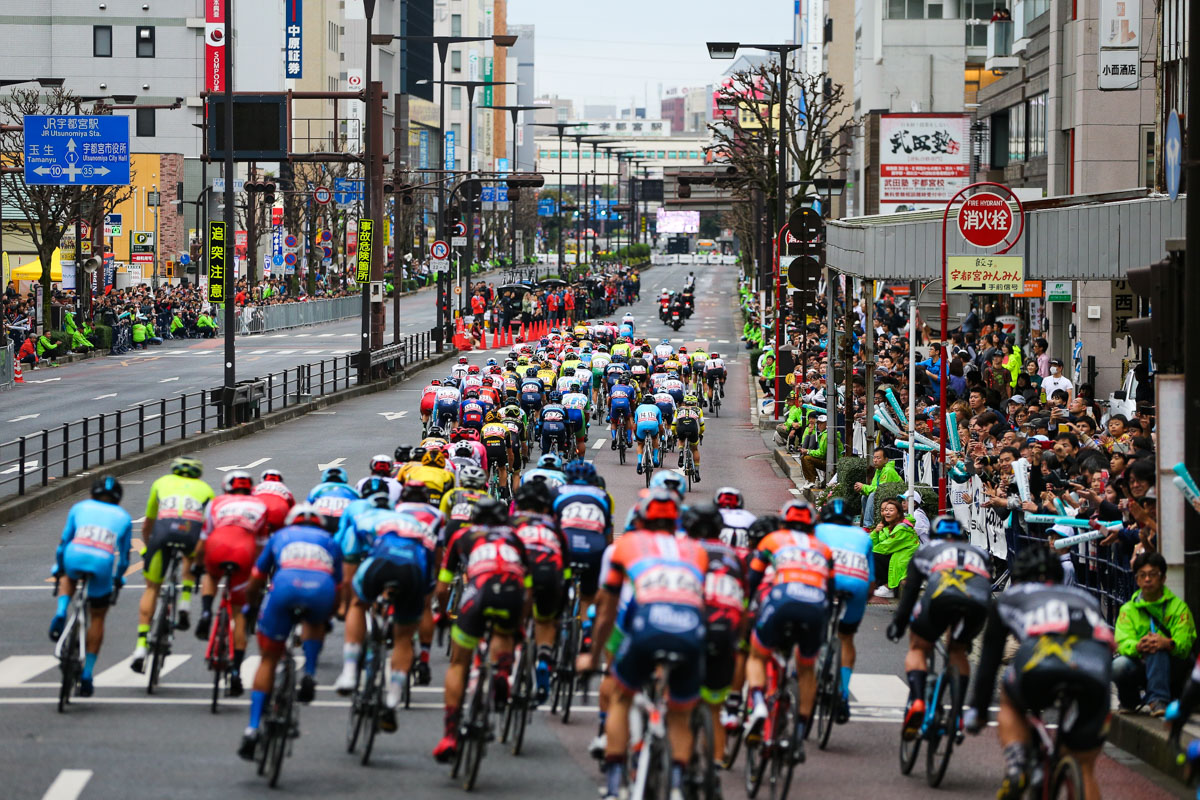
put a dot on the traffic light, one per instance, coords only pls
(266, 189)
(1160, 286)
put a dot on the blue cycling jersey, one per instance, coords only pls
(356, 531)
(853, 565)
(302, 549)
(101, 527)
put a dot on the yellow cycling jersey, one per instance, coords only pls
(438, 481)
(493, 430)
(621, 349)
(569, 366)
(176, 497)
(689, 412)
(699, 357)
(457, 504)
(547, 376)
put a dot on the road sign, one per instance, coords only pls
(327, 252)
(1058, 292)
(546, 207)
(289, 259)
(290, 242)
(217, 248)
(278, 259)
(185, 259)
(347, 191)
(439, 250)
(985, 274)
(142, 238)
(460, 229)
(112, 225)
(326, 236)
(218, 184)
(322, 195)
(77, 150)
(1172, 154)
(985, 219)
(458, 241)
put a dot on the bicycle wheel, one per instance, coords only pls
(943, 726)
(1067, 781)
(476, 739)
(70, 667)
(217, 662)
(828, 691)
(520, 703)
(354, 723)
(281, 720)
(783, 764)
(162, 635)
(733, 743)
(372, 699)
(757, 757)
(702, 778)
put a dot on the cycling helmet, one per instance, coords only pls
(636, 354)
(658, 510)
(495, 370)
(729, 497)
(334, 475)
(555, 397)
(434, 458)
(374, 487)
(381, 465)
(690, 400)
(522, 361)
(946, 527)
(403, 454)
(682, 349)
(667, 342)
(238, 481)
(462, 359)
(472, 393)
(798, 514)
(491, 362)
(623, 379)
(531, 372)
(534, 496)
(418, 454)
(471, 477)
(489, 511)
(435, 382)
(107, 487)
(512, 412)
(304, 514)
(414, 492)
(672, 375)
(574, 387)
(580, 472)
(550, 461)
(272, 475)
(473, 369)
(671, 480)
(1035, 564)
(436, 432)
(762, 527)
(834, 512)
(702, 521)
(468, 435)
(187, 467)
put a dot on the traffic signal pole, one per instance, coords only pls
(1191, 325)
(230, 223)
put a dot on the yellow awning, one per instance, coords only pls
(33, 271)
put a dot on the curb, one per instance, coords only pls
(62, 488)
(1145, 738)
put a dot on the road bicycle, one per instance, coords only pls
(475, 730)
(829, 676)
(690, 470)
(570, 631)
(773, 752)
(646, 460)
(218, 656)
(450, 612)
(941, 726)
(714, 399)
(622, 434)
(1052, 773)
(522, 699)
(71, 649)
(280, 724)
(166, 610)
(368, 700)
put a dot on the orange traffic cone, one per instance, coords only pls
(508, 337)
(19, 378)
(495, 340)
(458, 325)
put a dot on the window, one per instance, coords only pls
(456, 98)
(456, 61)
(145, 41)
(456, 24)
(145, 122)
(1146, 164)
(671, 154)
(102, 41)
(1016, 133)
(1037, 125)
(908, 9)
(662, 153)
(542, 154)
(333, 36)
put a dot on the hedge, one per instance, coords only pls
(61, 336)
(102, 337)
(852, 470)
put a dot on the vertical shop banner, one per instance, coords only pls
(423, 149)
(216, 262)
(1120, 45)
(449, 151)
(924, 160)
(214, 45)
(487, 76)
(294, 28)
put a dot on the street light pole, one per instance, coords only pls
(364, 345)
(227, 289)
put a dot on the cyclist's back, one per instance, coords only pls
(584, 514)
(853, 568)
(957, 585)
(95, 538)
(278, 499)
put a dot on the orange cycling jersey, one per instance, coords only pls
(661, 568)
(796, 557)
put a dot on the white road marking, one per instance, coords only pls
(313, 352)
(325, 335)
(303, 335)
(24, 417)
(30, 466)
(15, 670)
(251, 465)
(322, 413)
(168, 380)
(68, 785)
(599, 444)
(120, 674)
(392, 416)
(337, 462)
(44, 380)
(878, 690)
(259, 352)
(105, 396)
(286, 352)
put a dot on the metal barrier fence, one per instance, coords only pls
(33, 460)
(7, 361)
(260, 319)
(1099, 569)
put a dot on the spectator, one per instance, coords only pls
(894, 542)
(885, 472)
(813, 459)
(1155, 633)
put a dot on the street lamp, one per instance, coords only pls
(443, 47)
(593, 140)
(560, 127)
(513, 111)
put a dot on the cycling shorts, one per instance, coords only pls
(427, 403)
(445, 411)
(714, 375)
(500, 599)
(531, 401)
(720, 646)
(687, 430)
(587, 551)
(233, 546)
(559, 435)
(312, 594)
(96, 565)
(645, 429)
(497, 455)
(408, 596)
(854, 604)
(547, 591)
(933, 616)
(618, 407)
(178, 534)
(1045, 665)
(792, 614)
(663, 628)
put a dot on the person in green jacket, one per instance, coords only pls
(1155, 633)
(792, 427)
(79, 339)
(814, 459)
(894, 542)
(206, 326)
(139, 334)
(49, 349)
(178, 329)
(885, 472)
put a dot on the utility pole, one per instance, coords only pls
(227, 294)
(1191, 331)
(364, 345)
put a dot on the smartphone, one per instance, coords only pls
(1064, 428)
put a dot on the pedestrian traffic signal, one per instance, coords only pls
(1159, 330)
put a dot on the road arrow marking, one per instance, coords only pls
(105, 396)
(392, 416)
(25, 416)
(337, 462)
(71, 145)
(251, 465)
(168, 380)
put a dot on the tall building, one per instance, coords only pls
(521, 64)
(689, 109)
(468, 61)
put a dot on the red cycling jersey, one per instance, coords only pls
(486, 552)
(279, 500)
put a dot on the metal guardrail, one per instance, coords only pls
(7, 362)
(1098, 570)
(35, 459)
(252, 319)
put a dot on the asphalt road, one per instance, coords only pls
(124, 742)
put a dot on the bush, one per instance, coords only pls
(61, 337)
(102, 337)
(852, 470)
(755, 352)
(929, 497)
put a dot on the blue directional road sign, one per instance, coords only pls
(488, 195)
(347, 191)
(77, 150)
(546, 207)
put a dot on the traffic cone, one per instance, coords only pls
(458, 325)
(495, 340)
(19, 378)
(508, 337)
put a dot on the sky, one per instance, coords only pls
(618, 51)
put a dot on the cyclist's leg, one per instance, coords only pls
(364, 590)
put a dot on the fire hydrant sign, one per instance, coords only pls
(985, 274)
(985, 219)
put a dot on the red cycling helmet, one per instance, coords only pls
(473, 369)
(799, 513)
(729, 497)
(658, 509)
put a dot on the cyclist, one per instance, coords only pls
(415, 500)
(235, 530)
(496, 565)
(304, 566)
(714, 375)
(174, 517)
(548, 470)
(445, 406)
(497, 441)
(382, 466)
(664, 615)
(725, 606)
(471, 410)
(673, 386)
(278, 497)
(1064, 646)
(736, 520)
(620, 407)
(854, 572)
(332, 495)
(648, 422)
(552, 424)
(958, 586)
(95, 545)
(797, 597)
(689, 430)
(579, 412)
(514, 419)
(459, 503)
(663, 350)
(584, 514)
(433, 474)
(547, 548)
(399, 550)
(428, 401)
